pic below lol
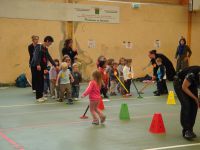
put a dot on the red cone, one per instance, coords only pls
(157, 124)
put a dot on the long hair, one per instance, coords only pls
(67, 42)
(97, 77)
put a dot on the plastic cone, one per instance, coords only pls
(171, 99)
(101, 105)
(157, 124)
(124, 113)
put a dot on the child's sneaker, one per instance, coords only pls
(95, 122)
(53, 97)
(40, 100)
(70, 101)
(60, 100)
(103, 119)
(76, 99)
(44, 98)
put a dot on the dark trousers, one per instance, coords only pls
(33, 76)
(162, 87)
(75, 91)
(104, 91)
(39, 82)
(127, 84)
(188, 106)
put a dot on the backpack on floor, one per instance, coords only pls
(21, 81)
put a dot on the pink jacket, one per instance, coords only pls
(93, 90)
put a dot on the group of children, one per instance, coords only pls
(64, 80)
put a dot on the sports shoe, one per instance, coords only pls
(76, 99)
(44, 98)
(60, 100)
(40, 100)
(95, 122)
(189, 135)
(53, 97)
(103, 119)
(34, 91)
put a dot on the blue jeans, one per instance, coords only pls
(75, 91)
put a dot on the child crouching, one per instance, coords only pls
(93, 90)
(63, 80)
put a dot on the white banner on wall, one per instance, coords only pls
(30, 9)
(92, 13)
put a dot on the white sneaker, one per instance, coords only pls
(40, 100)
(34, 91)
(53, 97)
(44, 98)
(76, 99)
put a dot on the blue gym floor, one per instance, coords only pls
(27, 125)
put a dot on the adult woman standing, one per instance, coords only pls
(186, 84)
(67, 50)
(183, 54)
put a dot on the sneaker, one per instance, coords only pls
(95, 122)
(189, 135)
(70, 101)
(76, 99)
(60, 100)
(40, 100)
(157, 94)
(44, 98)
(103, 119)
(53, 97)
(34, 91)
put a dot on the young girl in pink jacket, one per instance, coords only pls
(93, 90)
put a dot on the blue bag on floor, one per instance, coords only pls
(21, 81)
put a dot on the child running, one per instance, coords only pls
(93, 90)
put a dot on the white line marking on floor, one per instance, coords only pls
(172, 147)
(25, 105)
(69, 109)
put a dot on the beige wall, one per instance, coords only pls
(142, 26)
(195, 45)
(15, 36)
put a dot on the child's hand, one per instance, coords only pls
(38, 67)
(115, 73)
(46, 71)
(72, 80)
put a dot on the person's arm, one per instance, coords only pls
(189, 52)
(125, 73)
(162, 70)
(71, 77)
(30, 53)
(50, 59)
(58, 78)
(176, 55)
(89, 89)
(185, 88)
(80, 77)
(63, 51)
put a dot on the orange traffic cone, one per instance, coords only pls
(157, 124)
(101, 105)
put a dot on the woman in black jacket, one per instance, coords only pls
(67, 50)
(170, 71)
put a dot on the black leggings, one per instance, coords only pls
(188, 106)
(128, 85)
(39, 82)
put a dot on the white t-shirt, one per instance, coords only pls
(64, 76)
(127, 73)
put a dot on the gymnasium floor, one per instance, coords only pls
(25, 124)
